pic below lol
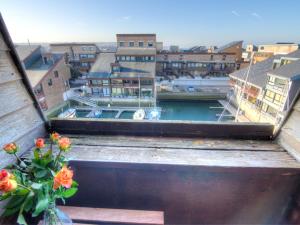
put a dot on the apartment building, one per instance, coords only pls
(47, 73)
(278, 48)
(128, 73)
(81, 56)
(190, 63)
(268, 50)
(271, 87)
(282, 86)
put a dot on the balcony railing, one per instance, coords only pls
(276, 87)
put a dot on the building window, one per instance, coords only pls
(39, 89)
(84, 64)
(56, 74)
(141, 44)
(83, 56)
(131, 44)
(262, 48)
(123, 58)
(150, 44)
(211, 57)
(50, 82)
(132, 58)
(127, 58)
(121, 44)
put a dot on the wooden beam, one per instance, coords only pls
(163, 128)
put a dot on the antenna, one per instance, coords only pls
(31, 50)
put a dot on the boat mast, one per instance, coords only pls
(154, 90)
(139, 91)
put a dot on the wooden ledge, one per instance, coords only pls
(84, 215)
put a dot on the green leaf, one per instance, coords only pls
(41, 206)
(21, 219)
(74, 184)
(28, 202)
(9, 212)
(40, 173)
(22, 164)
(5, 196)
(36, 186)
(21, 191)
(48, 153)
(15, 201)
(69, 192)
(36, 164)
(36, 153)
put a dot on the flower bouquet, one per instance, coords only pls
(32, 186)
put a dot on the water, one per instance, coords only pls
(174, 110)
(108, 114)
(126, 115)
(189, 110)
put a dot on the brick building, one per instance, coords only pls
(47, 73)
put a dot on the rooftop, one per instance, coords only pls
(142, 35)
(258, 72)
(142, 68)
(72, 43)
(229, 45)
(294, 54)
(25, 50)
(289, 71)
(103, 62)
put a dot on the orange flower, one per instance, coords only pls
(54, 137)
(64, 144)
(40, 143)
(10, 148)
(7, 182)
(63, 178)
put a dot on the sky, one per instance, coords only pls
(176, 22)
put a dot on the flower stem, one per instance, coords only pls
(57, 157)
(17, 157)
(22, 186)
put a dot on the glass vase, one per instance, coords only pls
(54, 216)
